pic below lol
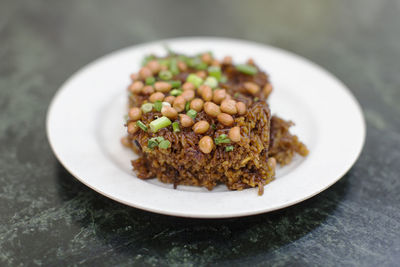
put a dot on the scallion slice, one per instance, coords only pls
(246, 69)
(159, 124)
(141, 125)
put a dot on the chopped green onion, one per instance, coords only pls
(215, 71)
(159, 124)
(164, 62)
(158, 105)
(187, 106)
(169, 50)
(152, 143)
(236, 94)
(159, 138)
(191, 113)
(175, 127)
(146, 59)
(175, 84)
(173, 66)
(213, 126)
(212, 82)
(183, 58)
(229, 148)
(256, 99)
(196, 80)
(147, 107)
(164, 144)
(201, 66)
(141, 125)
(223, 79)
(222, 139)
(165, 75)
(175, 92)
(246, 69)
(150, 80)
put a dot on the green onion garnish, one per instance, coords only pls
(175, 92)
(223, 79)
(165, 75)
(146, 59)
(175, 84)
(147, 107)
(150, 80)
(175, 127)
(212, 82)
(236, 94)
(229, 148)
(152, 143)
(246, 69)
(159, 138)
(187, 106)
(213, 126)
(164, 61)
(201, 66)
(196, 80)
(222, 139)
(173, 66)
(141, 125)
(159, 124)
(256, 99)
(164, 144)
(191, 113)
(215, 71)
(158, 105)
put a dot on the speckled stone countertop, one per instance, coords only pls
(49, 218)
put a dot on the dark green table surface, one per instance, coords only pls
(47, 217)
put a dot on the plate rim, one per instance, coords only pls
(344, 88)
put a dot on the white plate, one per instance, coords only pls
(85, 124)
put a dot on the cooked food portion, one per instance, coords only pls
(203, 122)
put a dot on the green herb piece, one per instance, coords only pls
(246, 69)
(141, 125)
(165, 75)
(223, 79)
(152, 143)
(192, 113)
(201, 66)
(164, 144)
(158, 105)
(159, 124)
(175, 92)
(222, 139)
(256, 99)
(229, 148)
(175, 127)
(159, 138)
(164, 61)
(150, 80)
(213, 126)
(236, 95)
(196, 80)
(146, 59)
(212, 82)
(173, 66)
(169, 50)
(187, 106)
(175, 84)
(215, 71)
(147, 107)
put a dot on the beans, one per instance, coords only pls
(188, 95)
(197, 104)
(234, 134)
(135, 113)
(200, 89)
(212, 109)
(182, 66)
(185, 120)
(125, 141)
(134, 76)
(132, 127)
(251, 87)
(206, 58)
(154, 66)
(229, 106)
(201, 127)
(207, 93)
(227, 60)
(163, 87)
(241, 108)
(179, 103)
(156, 96)
(271, 163)
(169, 112)
(267, 89)
(148, 90)
(202, 74)
(225, 119)
(170, 99)
(145, 72)
(206, 144)
(188, 86)
(136, 87)
(219, 95)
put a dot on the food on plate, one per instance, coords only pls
(200, 121)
